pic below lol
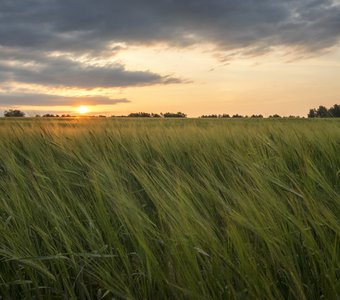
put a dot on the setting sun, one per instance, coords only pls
(83, 109)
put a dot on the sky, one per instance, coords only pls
(195, 56)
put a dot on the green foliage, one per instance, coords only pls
(169, 209)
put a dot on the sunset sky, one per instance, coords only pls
(196, 56)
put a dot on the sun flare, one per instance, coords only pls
(83, 109)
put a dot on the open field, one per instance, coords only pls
(169, 209)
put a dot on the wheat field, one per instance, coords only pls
(169, 209)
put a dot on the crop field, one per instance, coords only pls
(112, 208)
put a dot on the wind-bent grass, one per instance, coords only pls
(170, 209)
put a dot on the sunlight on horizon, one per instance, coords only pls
(83, 109)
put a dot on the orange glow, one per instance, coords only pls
(83, 110)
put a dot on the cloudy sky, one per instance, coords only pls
(196, 56)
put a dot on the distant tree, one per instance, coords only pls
(155, 115)
(237, 116)
(139, 115)
(13, 113)
(322, 112)
(37, 116)
(209, 116)
(122, 116)
(225, 116)
(334, 111)
(174, 115)
(257, 116)
(48, 116)
(312, 113)
(276, 116)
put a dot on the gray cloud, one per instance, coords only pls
(30, 30)
(84, 25)
(53, 100)
(68, 73)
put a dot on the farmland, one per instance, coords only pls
(169, 209)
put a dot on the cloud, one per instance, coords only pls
(53, 100)
(32, 31)
(87, 25)
(68, 73)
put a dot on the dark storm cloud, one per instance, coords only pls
(68, 73)
(77, 25)
(53, 100)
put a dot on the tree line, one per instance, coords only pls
(237, 116)
(12, 113)
(323, 112)
(320, 112)
(152, 115)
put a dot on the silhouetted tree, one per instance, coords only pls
(225, 116)
(322, 112)
(210, 116)
(122, 116)
(237, 116)
(276, 116)
(13, 113)
(257, 116)
(140, 115)
(334, 111)
(174, 115)
(155, 115)
(312, 113)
